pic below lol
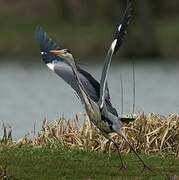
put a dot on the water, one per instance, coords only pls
(31, 92)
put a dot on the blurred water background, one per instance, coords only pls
(29, 91)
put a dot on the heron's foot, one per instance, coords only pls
(123, 167)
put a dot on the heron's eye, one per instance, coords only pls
(43, 53)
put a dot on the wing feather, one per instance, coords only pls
(122, 27)
(117, 42)
(46, 44)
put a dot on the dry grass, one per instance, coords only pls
(147, 134)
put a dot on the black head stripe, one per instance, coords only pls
(67, 50)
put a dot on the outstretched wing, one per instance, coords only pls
(62, 69)
(119, 37)
(90, 84)
(122, 28)
(46, 44)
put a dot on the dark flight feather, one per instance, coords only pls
(122, 28)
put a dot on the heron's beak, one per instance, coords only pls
(59, 53)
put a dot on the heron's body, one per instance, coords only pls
(94, 95)
(90, 84)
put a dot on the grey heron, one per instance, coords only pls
(94, 95)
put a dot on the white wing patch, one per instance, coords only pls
(119, 28)
(51, 66)
(113, 45)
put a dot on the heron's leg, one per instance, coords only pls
(123, 166)
(144, 164)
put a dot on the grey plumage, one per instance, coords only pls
(94, 95)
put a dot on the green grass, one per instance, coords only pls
(53, 163)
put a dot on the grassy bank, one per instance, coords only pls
(64, 149)
(59, 163)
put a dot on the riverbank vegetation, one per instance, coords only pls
(66, 149)
(147, 134)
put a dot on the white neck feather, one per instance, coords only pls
(50, 66)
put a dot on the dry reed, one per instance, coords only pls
(147, 134)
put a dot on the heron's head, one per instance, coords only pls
(50, 51)
(63, 53)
